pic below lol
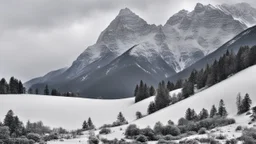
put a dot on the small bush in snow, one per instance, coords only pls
(138, 115)
(93, 140)
(34, 136)
(171, 129)
(238, 128)
(132, 130)
(202, 131)
(105, 131)
(141, 138)
(149, 133)
(208, 140)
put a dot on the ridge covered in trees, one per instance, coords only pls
(221, 69)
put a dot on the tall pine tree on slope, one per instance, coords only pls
(213, 111)
(246, 103)
(222, 109)
(162, 98)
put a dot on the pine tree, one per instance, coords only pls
(213, 111)
(85, 125)
(140, 92)
(203, 114)
(90, 124)
(189, 114)
(152, 91)
(252, 58)
(188, 89)
(239, 103)
(222, 110)
(170, 86)
(30, 91)
(201, 80)
(46, 90)
(246, 103)
(136, 90)
(54, 92)
(193, 76)
(20, 87)
(37, 91)
(178, 84)
(121, 118)
(9, 120)
(138, 115)
(4, 87)
(145, 92)
(162, 98)
(151, 108)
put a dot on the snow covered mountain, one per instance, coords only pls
(245, 38)
(130, 49)
(242, 12)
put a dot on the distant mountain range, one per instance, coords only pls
(130, 50)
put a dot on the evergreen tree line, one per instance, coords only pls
(243, 104)
(191, 115)
(14, 86)
(227, 65)
(53, 92)
(142, 91)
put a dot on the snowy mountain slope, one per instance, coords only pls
(242, 12)
(243, 82)
(62, 111)
(245, 38)
(193, 35)
(185, 38)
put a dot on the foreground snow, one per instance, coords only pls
(68, 112)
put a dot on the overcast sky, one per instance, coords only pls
(37, 36)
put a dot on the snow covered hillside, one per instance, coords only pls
(70, 112)
(243, 82)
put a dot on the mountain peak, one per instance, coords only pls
(199, 7)
(125, 11)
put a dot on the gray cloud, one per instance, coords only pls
(37, 36)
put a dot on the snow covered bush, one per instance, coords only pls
(34, 136)
(149, 133)
(202, 131)
(52, 136)
(190, 141)
(138, 115)
(170, 129)
(93, 140)
(132, 130)
(105, 131)
(141, 138)
(238, 128)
